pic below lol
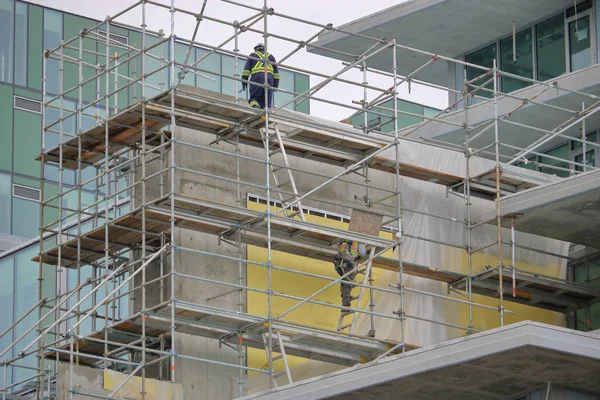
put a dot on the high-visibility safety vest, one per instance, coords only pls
(260, 64)
(349, 247)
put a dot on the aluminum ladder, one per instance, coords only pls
(279, 348)
(353, 313)
(282, 174)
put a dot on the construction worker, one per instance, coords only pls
(349, 251)
(254, 70)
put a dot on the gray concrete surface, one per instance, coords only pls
(495, 364)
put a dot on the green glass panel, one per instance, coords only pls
(286, 83)
(5, 203)
(591, 137)
(407, 120)
(302, 84)
(6, 297)
(53, 34)
(35, 183)
(181, 51)
(590, 160)
(27, 142)
(550, 46)
(7, 10)
(26, 286)
(26, 218)
(211, 63)
(135, 66)
(73, 25)
(28, 93)
(6, 127)
(228, 69)
(50, 213)
(560, 152)
(485, 58)
(34, 65)
(521, 65)
(156, 81)
(21, 31)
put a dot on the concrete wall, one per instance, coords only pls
(209, 381)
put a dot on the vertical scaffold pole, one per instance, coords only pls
(400, 312)
(240, 252)
(172, 197)
(143, 202)
(498, 214)
(40, 361)
(79, 174)
(583, 137)
(107, 216)
(467, 193)
(268, 213)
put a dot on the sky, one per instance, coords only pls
(336, 12)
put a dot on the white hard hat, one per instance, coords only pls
(259, 45)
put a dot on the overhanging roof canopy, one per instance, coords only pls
(449, 28)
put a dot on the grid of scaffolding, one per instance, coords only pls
(141, 140)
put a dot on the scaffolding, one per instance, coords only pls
(143, 140)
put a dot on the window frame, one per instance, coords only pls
(591, 14)
(593, 44)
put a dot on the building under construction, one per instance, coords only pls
(223, 258)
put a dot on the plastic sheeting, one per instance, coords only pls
(431, 198)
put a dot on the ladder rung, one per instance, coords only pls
(352, 298)
(277, 358)
(283, 183)
(275, 169)
(273, 152)
(344, 327)
(278, 374)
(345, 312)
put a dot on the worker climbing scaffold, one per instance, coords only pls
(344, 261)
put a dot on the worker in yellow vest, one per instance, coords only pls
(349, 251)
(260, 66)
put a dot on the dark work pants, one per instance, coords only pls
(345, 288)
(257, 93)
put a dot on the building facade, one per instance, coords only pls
(548, 41)
(27, 29)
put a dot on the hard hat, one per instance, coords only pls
(259, 46)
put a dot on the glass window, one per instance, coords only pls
(522, 65)
(591, 137)
(53, 29)
(580, 51)
(6, 127)
(5, 200)
(180, 54)
(158, 81)
(26, 290)
(228, 69)
(589, 160)
(26, 218)
(28, 143)
(34, 63)
(6, 44)
(550, 46)
(210, 63)
(561, 152)
(6, 297)
(485, 58)
(407, 120)
(286, 83)
(21, 19)
(302, 83)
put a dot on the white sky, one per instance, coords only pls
(336, 12)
